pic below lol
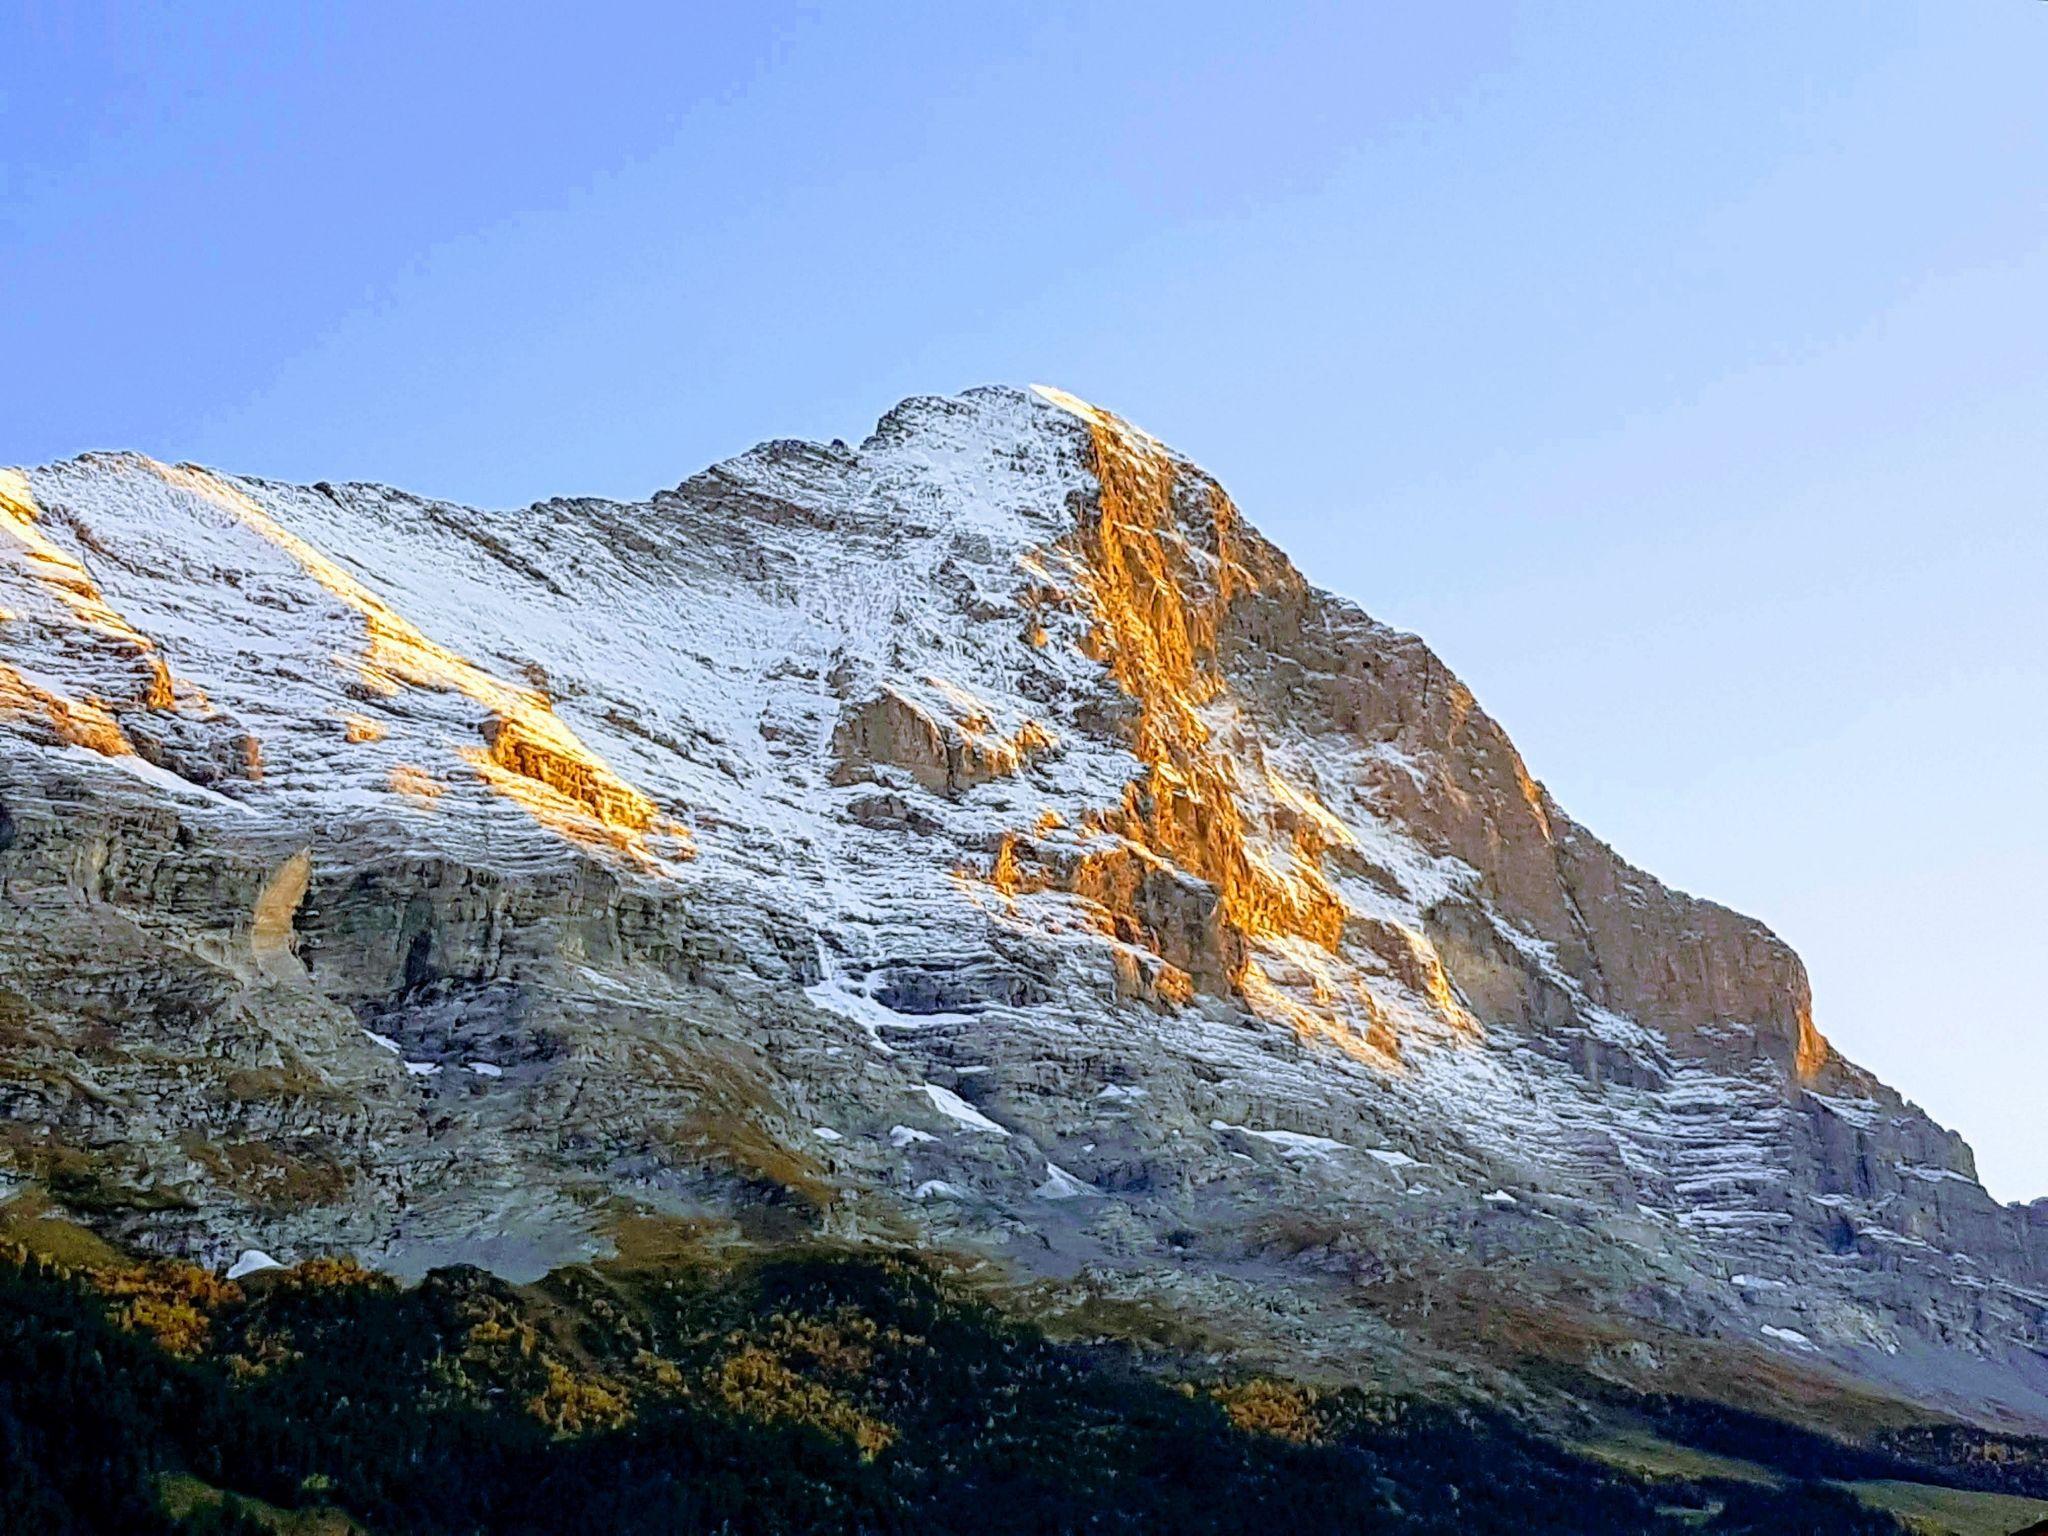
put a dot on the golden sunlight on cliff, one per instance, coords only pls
(1158, 601)
(1347, 1018)
(991, 753)
(1813, 1052)
(1208, 804)
(1005, 874)
(948, 742)
(415, 783)
(528, 755)
(78, 723)
(57, 572)
(50, 574)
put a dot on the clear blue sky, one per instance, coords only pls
(1680, 371)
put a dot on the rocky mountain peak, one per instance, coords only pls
(982, 833)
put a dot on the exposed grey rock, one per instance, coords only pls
(982, 834)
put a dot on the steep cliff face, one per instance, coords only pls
(983, 832)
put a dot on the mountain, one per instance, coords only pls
(981, 838)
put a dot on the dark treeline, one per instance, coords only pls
(1976, 1458)
(1953, 1454)
(829, 1394)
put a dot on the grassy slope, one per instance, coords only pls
(1646, 1455)
(1951, 1511)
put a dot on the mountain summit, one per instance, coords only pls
(982, 836)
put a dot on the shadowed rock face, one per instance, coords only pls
(983, 832)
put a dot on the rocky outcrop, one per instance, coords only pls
(982, 833)
(946, 755)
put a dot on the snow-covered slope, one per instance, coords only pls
(982, 832)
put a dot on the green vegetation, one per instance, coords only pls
(806, 1391)
(200, 1506)
(1648, 1456)
(1951, 1511)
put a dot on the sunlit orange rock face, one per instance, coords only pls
(1227, 868)
(1213, 860)
(1159, 597)
(75, 722)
